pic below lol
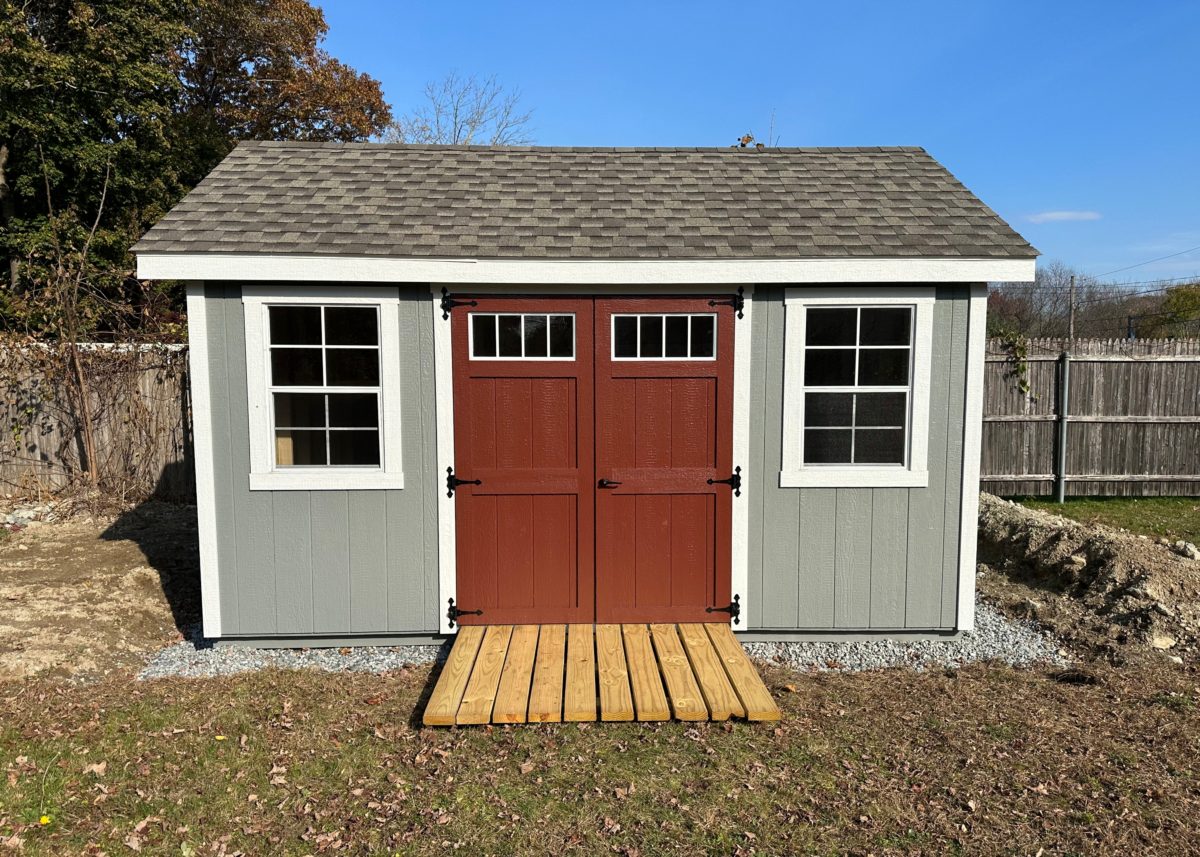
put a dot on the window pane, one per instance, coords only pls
(830, 326)
(295, 325)
(829, 368)
(351, 326)
(827, 446)
(890, 326)
(353, 367)
(354, 410)
(677, 336)
(881, 409)
(879, 446)
(296, 367)
(562, 336)
(354, 447)
(535, 336)
(652, 336)
(299, 410)
(483, 335)
(510, 336)
(704, 329)
(293, 447)
(828, 409)
(625, 336)
(879, 367)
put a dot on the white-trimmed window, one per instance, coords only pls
(664, 336)
(856, 387)
(322, 376)
(522, 336)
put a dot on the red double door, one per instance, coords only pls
(591, 438)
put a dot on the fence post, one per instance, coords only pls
(1064, 396)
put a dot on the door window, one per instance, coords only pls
(522, 336)
(664, 336)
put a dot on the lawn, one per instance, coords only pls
(1173, 517)
(985, 761)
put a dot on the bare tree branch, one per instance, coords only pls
(464, 111)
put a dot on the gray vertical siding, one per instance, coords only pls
(297, 563)
(855, 558)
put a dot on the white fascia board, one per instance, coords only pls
(253, 267)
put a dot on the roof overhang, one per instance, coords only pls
(255, 267)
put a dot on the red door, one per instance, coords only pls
(598, 431)
(523, 427)
(664, 423)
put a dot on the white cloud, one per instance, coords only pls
(1062, 216)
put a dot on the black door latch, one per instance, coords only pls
(607, 483)
(453, 613)
(453, 481)
(734, 610)
(734, 482)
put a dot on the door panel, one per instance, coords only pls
(525, 428)
(664, 428)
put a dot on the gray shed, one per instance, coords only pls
(436, 386)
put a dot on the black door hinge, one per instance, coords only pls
(734, 610)
(734, 482)
(453, 613)
(449, 303)
(453, 481)
(738, 302)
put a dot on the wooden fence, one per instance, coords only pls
(1130, 425)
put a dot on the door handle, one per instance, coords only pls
(607, 483)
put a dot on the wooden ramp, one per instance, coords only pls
(555, 673)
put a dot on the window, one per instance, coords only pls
(664, 337)
(323, 387)
(856, 387)
(522, 336)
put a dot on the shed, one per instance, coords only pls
(440, 386)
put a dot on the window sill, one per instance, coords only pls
(853, 477)
(332, 479)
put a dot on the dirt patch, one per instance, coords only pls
(1112, 592)
(85, 597)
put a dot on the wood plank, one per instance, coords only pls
(480, 694)
(649, 697)
(545, 696)
(512, 699)
(719, 695)
(684, 693)
(616, 700)
(447, 694)
(742, 675)
(579, 694)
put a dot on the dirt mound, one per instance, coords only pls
(1096, 586)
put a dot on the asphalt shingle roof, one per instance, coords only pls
(366, 199)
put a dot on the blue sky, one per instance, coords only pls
(1079, 122)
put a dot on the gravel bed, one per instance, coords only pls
(198, 658)
(996, 638)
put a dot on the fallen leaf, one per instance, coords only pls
(99, 769)
(527, 767)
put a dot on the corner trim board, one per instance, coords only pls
(391, 269)
(972, 450)
(443, 385)
(202, 443)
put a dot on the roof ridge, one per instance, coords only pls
(458, 147)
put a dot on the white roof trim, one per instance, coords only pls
(254, 267)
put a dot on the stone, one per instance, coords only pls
(1162, 641)
(1175, 659)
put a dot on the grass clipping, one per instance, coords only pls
(1096, 586)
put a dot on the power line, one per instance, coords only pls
(1148, 261)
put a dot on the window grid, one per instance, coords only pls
(663, 335)
(855, 389)
(522, 316)
(323, 389)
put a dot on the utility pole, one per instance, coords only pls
(1071, 317)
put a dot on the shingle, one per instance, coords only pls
(368, 199)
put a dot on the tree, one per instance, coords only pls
(465, 110)
(134, 101)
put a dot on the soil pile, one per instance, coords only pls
(1101, 588)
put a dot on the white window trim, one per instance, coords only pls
(794, 473)
(523, 358)
(612, 337)
(264, 476)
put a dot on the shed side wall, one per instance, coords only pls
(300, 563)
(856, 559)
